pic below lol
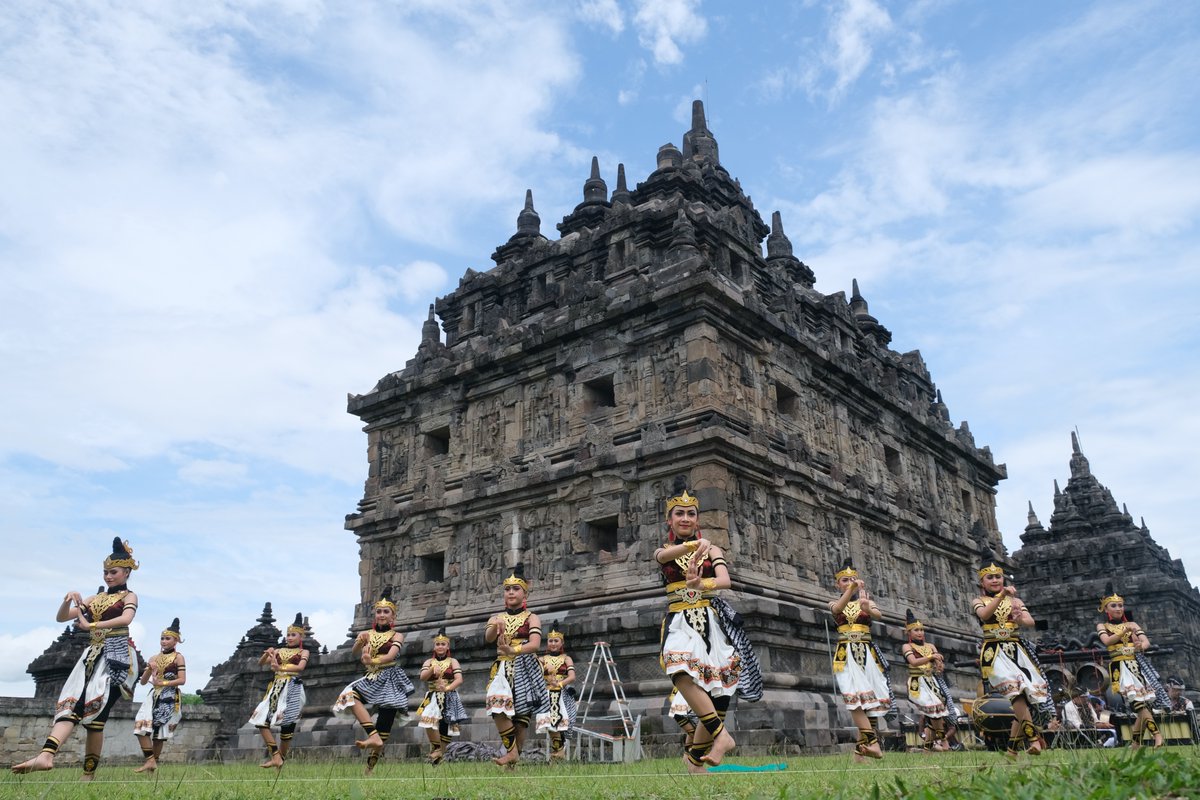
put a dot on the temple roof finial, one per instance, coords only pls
(595, 190)
(621, 194)
(778, 244)
(528, 221)
(1074, 442)
(698, 143)
(430, 332)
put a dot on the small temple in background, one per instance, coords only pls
(1062, 572)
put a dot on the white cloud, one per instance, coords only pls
(663, 25)
(213, 472)
(851, 34)
(605, 13)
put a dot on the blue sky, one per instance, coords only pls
(218, 219)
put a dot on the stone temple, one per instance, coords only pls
(545, 419)
(1063, 572)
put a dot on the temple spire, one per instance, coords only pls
(595, 190)
(698, 143)
(430, 332)
(528, 221)
(778, 244)
(1079, 463)
(621, 193)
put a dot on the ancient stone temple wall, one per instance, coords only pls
(545, 420)
(1063, 571)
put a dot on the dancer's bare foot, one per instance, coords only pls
(150, 765)
(436, 755)
(509, 759)
(1158, 740)
(87, 777)
(721, 745)
(695, 769)
(1035, 747)
(374, 742)
(372, 760)
(275, 761)
(39, 763)
(873, 751)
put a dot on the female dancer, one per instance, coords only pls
(559, 671)
(516, 691)
(924, 661)
(284, 700)
(385, 685)
(1006, 664)
(1132, 676)
(442, 710)
(102, 674)
(161, 710)
(860, 670)
(705, 652)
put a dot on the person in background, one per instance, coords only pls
(162, 709)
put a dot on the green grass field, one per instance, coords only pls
(1065, 775)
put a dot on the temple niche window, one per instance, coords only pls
(599, 393)
(437, 441)
(601, 534)
(787, 402)
(432, 568)
(967, 503)
(891, 457)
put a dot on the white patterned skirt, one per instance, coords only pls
(1128, 682)
(861, 679)
(388, 688)
(159, 713)
(282, 703)
(438, 707)
(1013, 673)
(518, 688)
(695, 645)
(102, 668)
(924, 694)
(562, 712)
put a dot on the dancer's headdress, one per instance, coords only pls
(555, 631)
(385, 600)
(122, 555)
(911, 623)
(1110, 596)
(681, 496)
(847, 570)
(172, 630)
(298, 625)
(517, 577)
(987, 561)
(441, 636)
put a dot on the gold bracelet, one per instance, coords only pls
(708, 584)
(692, 546)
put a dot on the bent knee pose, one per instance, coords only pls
(442, 710)
(161, 711)
(559, 671)
(516, 692)
(704, 651)
(1130, 672)
(924, 664)
(1006, 664)
(103, 674)
(385, 685)
(859, 669)
(284, 699)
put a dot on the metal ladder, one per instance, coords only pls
(621, 748)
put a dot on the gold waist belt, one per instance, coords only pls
(685, 597)
(853, 636)
(919, 673)
(98, 635)
(854, 628)
(683, 605)
(999, 632)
